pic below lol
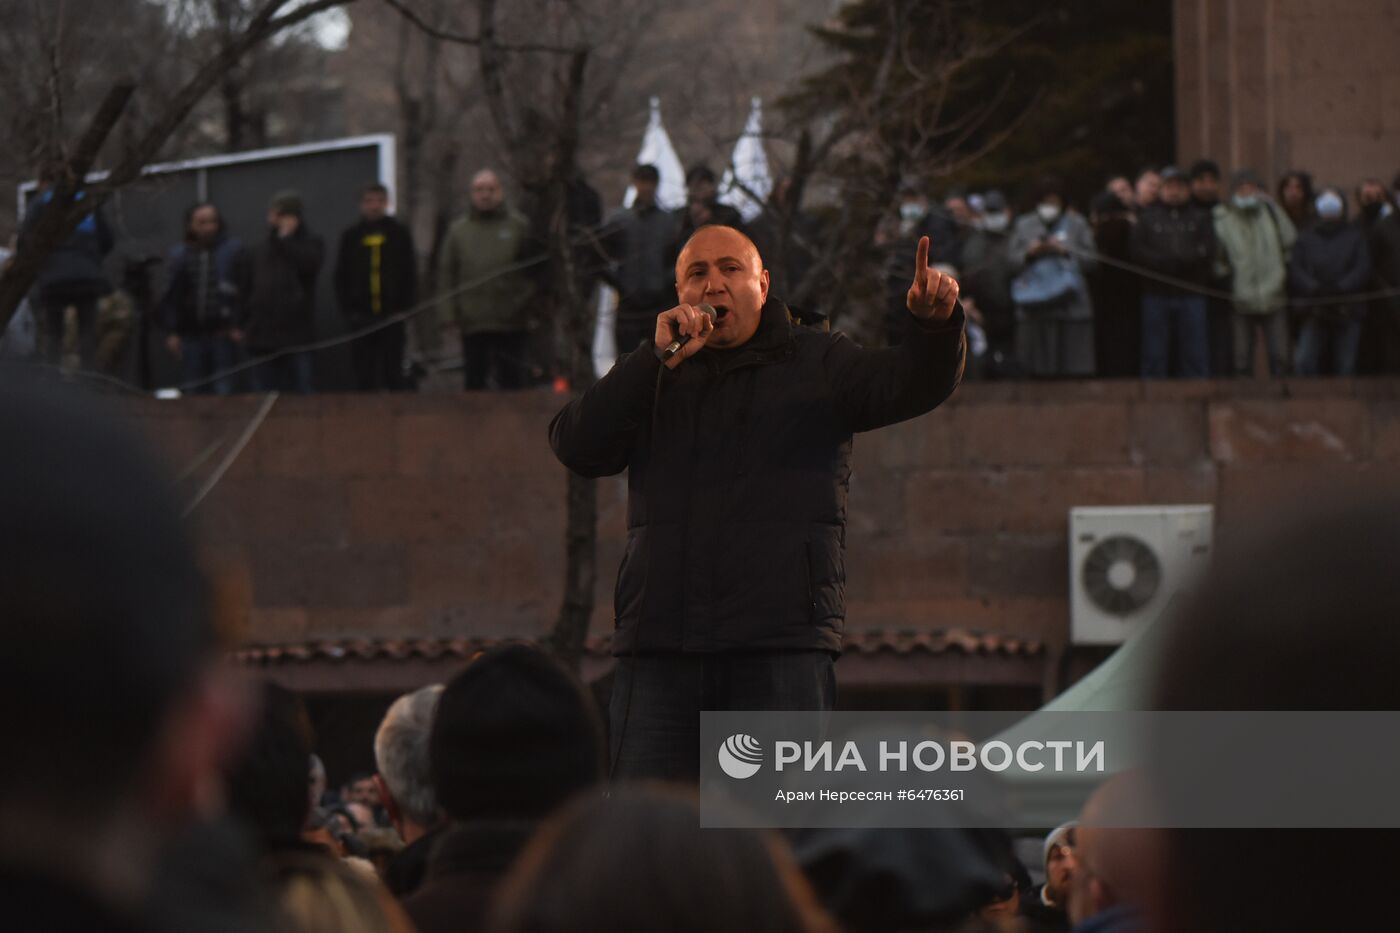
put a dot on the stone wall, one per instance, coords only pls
(434, 516)
(1280, 84)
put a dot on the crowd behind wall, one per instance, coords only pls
(1171, 273)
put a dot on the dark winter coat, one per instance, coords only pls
(986, 273)
(366, 288)
(1174, 241)
(282, 309)
(1384, 242)
(1331, 258)
(208, 288)
(467, 862)
(738, 480)
(408, 868)
(73, 271)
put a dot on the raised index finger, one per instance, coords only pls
(921, 260)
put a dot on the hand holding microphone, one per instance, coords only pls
(682, 331)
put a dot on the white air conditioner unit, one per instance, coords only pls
(1127, 563)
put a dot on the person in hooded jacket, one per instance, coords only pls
(1330, 261)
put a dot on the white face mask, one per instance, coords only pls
(1246, 201)
(1048, 212)
(911, 210)
(1329, 206)
(996, 223)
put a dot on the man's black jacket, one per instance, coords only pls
(376, 269)
(1178, 241)
(282, 308)
(736, 519)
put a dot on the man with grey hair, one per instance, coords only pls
(405, 785)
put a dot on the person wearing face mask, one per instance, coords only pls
(987, 272)
(1330, 261)
(1053, 249)
(1255, 237)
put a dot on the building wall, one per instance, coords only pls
(431, 516)
(1280, 84)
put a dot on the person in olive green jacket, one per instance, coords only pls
(491, 307)
(1255, 238)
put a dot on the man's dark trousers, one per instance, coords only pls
(654, 713)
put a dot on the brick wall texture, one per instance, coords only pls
(361, 516)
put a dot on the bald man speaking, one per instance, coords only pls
(737, 447)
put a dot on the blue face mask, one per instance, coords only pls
(1329, 205)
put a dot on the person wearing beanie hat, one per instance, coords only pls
(514, 736)
(282, 302)
(1046, 907)
(287, 203)
(1255, 238)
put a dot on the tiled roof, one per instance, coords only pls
(857, 641)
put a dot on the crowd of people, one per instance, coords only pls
(148, 787)
(1174, 273)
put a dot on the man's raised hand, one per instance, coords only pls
(933, 295)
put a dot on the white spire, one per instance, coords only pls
(749, 167)
(657, 150)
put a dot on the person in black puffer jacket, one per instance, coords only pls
(731, 592)
(1330, 261)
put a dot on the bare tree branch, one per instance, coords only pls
(63, 214)
(445, 35)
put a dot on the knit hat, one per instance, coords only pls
(1059, 836)
(515, 735)
(286, 202)
(1245, 176)
(1172, 173)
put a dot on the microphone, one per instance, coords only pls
(674, 346)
